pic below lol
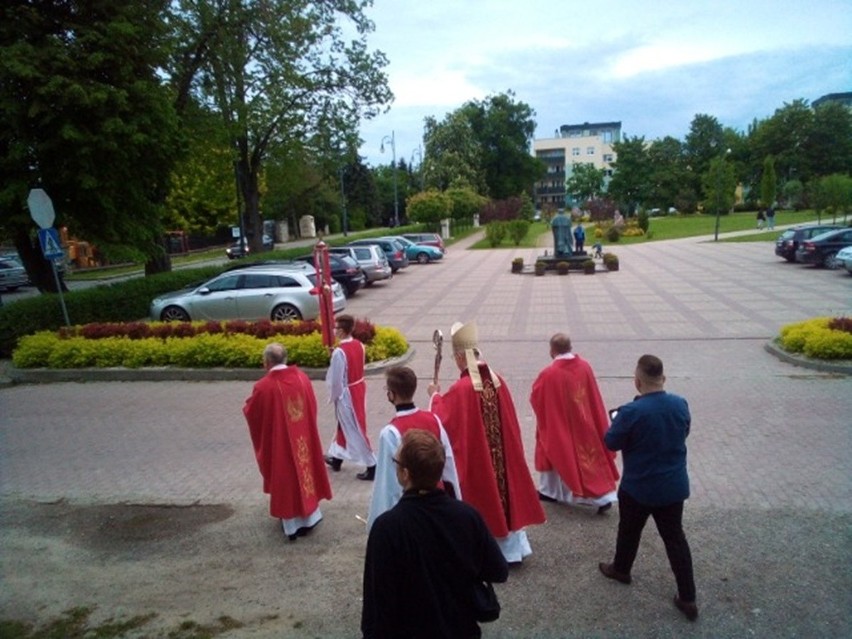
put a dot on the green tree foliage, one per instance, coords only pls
(829, 144)
(669, 176)
(466, 203)
(793, 193)
(704, 142)
(720, 185)
(453, 156)
(504, 130)
(495, 232)
(784, 136)
(631, 181)
(585, 182)
(768, 182)
(429, 207)
(517, 230)
(86, 117)
(832, 194)
(278, 72)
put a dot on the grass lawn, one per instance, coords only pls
(680, 226)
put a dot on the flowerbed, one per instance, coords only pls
(820, 337)
(235, 344)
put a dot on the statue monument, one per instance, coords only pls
(562, 239)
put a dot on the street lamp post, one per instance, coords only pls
(392, 139)
(719, 191)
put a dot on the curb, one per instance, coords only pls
(843, 367)
(13, 375)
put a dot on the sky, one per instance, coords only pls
(651, 65)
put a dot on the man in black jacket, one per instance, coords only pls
(425, 555)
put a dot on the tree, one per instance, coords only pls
(768, 182)
(828, 146)
(631, 181)
(278, 72)
(833, 194)
(85, 117)
(453, 154)
(671, 182)
(784, 136)
(720, 185)
(466, 203)
(704, 142)
(504, 130)
(429, 208)
(585, 182)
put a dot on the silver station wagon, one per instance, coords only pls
(279, 292)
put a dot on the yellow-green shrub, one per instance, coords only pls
(813, 338)
(388, 343)
(232, 350)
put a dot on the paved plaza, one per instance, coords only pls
(768, 520)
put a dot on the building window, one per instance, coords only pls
(607, 157)
(575, 150)
(590, 150)
(607, 136)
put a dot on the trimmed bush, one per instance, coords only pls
(816, 338)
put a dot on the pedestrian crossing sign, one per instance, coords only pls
(51, 247)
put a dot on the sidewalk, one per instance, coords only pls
(144, 497)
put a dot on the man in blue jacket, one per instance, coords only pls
(651, 434)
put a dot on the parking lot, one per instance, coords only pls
(769, 516)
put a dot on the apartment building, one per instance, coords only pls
(587, 143)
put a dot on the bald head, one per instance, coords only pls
(274, 354)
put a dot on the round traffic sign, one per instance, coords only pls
(41, 208)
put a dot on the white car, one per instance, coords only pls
(278, 292)
(12, 274)
(844, 257)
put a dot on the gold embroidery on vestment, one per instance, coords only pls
(490, 406)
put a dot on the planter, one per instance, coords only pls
(589, 267)
(610, 261)
(612, 266)
(517, 265)
(540, 268)
(562, 268)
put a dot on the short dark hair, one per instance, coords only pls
(423, 456)
(651, 368)
(345, 322)
(561, 343)
(402, 381)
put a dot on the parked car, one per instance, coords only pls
(12, 274)
(822, 249)
(344, 270)
(394, 251)
(432, 239)
(844, 257)
(241, 249)
(789, 241)
(371, 259)
(420, 253)
(280, 292)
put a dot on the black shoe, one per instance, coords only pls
(604, 508)
(334, 463)
(293, 537)
(611, 573)
(547, 498)
(688, 608)
(368, 475)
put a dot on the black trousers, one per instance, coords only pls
(632, 516)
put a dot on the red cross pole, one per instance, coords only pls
(326, 303)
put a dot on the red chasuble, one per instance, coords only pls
(486, 439)
(282, 418)
(355, 357)
(570, 424)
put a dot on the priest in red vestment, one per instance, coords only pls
(480, 419)
(282, 420)
(575, 465)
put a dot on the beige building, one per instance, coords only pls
(587, 143)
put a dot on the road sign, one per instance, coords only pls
(41, 208)
(50, 245)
